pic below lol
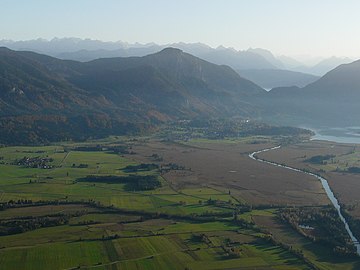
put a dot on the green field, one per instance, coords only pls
(63, 223)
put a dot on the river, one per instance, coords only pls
(325, 185)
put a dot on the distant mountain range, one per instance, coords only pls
(87, 50)
(331, 101)
(323, 66)
(272, 78)
(45, 98)
(84, 50)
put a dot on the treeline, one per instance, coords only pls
(321, 225)
(353, 170)
(22, 225)
(296, 252)
(132, 182)
(113, 149)
(319, 159)
(141, 167)
(241, 127)
(172, 167)
(43, 129)
(227, 128)
(353, 222)
(16, 225)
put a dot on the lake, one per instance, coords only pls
(340, 135)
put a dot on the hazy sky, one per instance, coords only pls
(292, 27)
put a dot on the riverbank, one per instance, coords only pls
(349, 135)
(324, 183)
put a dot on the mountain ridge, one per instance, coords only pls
(332, 100)
(85, 50)
(135, 91)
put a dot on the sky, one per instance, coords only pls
(286, 27)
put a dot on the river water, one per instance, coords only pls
(325, 185)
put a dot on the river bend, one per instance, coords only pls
(324, 183)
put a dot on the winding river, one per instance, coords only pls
(325, 185)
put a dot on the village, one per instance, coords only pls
(35, 162)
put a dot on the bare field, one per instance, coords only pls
(346, 186)
(347, 189)
(295, 155)
(226, 166)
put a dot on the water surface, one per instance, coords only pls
(325, 185)
(340, 134)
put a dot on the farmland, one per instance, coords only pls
(342, 157)
(214, 208)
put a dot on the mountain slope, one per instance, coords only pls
(323, 66)
(26, 85)
(343, 81)
(237, 59)
(268, 56)
(193, 84)
(333, 100)
(271, 78)
(116, 94)
(88, 50)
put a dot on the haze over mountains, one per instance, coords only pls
(273, 78)
(43, 98)
(331, 101)
(247, 62)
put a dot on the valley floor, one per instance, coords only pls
(215, 208)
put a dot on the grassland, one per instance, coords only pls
(225, 166)
(187, 223)
(346, 186)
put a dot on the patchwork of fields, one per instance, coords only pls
(339, 158)
(205, 215)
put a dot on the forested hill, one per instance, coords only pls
(45, 99)
(331, 101)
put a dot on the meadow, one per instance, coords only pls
(345, 185)
(208, 213)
